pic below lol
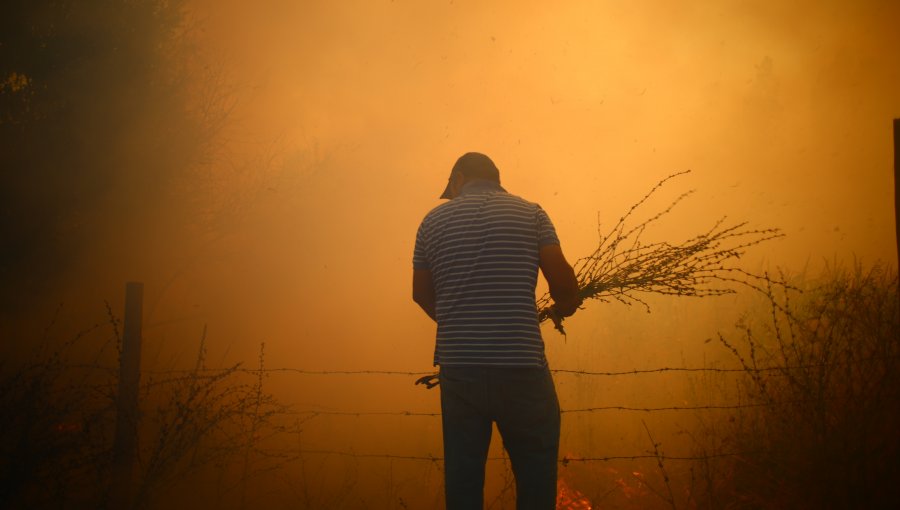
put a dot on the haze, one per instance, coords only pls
(341, 121)
(782, 113)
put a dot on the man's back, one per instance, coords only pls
(482, 249)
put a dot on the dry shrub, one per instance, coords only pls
(58, 425)
(823, 370)
(53, 429)
(203, 420)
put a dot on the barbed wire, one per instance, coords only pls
(565, 460)
(638, 371)
(608, 373)
(412, 373)
(314, 413)
(188, 375)
(302, 371)
(361, 413)
(201, 373)
(665, 408)
(706, 407)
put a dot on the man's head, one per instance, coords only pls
(470, 166)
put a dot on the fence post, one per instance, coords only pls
(125, 446)
(897, 186)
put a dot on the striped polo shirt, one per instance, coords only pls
(482, 249)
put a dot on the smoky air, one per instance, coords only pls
(721, 176)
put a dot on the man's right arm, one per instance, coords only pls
(561, 278)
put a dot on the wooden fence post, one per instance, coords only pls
(897, 186)
(125, 446)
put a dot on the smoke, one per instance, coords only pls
(782, 112)
(262, 169)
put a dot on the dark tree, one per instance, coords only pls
(96, 125)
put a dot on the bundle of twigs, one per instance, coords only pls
(623, 267)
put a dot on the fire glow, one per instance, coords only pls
(568, 498)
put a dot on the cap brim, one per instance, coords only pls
(446, 193)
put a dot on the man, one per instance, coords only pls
(474, 272)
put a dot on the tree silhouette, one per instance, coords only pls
(96, 124)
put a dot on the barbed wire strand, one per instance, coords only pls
(636, 371)
(563, 460)
(563, 411)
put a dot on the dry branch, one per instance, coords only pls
(623, 267)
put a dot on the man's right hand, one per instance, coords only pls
(561, 278)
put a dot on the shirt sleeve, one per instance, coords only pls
(420, 257)
(546, 232)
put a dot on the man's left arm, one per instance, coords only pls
(423, 291)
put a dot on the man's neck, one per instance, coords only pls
(480, 186)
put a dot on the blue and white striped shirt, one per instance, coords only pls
(483, 251)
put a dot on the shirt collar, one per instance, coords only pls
(480, 186)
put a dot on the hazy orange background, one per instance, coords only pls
(349, 115)
(783, 114)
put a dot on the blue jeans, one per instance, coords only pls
(523, 403)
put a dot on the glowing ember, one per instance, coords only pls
(568, 498)
(633, 489)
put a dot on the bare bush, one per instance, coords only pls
(58, 424)
(824, 370)
(53, 427)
